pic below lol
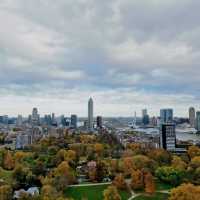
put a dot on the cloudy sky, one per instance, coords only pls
(126, 54)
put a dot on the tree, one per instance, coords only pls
(39, 168)
(70, 155)
(149, 183)
(178, 163)
(8, 162)
(5, 192)
(101, 171)
(60, 183)
(19, 156)
(185, 192)
(64, 170)
(128, 165)
(111, 193)
(98, 148)
(114, 166)
(137, 181)
(170, 175)
(161, 156)
(119, 182)
(2, 153)
(49, 192)
(195, 162)
(136, 148)
(19, 175)
(140, 161)
(60, 156)
(193, 151)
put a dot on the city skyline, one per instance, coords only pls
(91, 113)
(142, 53)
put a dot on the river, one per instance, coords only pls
(184, 134)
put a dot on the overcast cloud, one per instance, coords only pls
(126, 54)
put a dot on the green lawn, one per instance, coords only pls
(6, 175)
(156, 196)
(90, 192)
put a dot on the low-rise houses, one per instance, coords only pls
(32, 191)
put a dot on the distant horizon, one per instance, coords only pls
(67, 114)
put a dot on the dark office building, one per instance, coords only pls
(99, 122)
(168, 136)
(145, 119)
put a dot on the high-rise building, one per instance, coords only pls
(145, 117)
(166, 116)
(99, 122)
(53, 120)
(192, 117)
(74, 121)
(35, 118)
(144, 112)
(19, 120)
(168, 136)
(90, 114)
(62, 120)
(154, 121)
(47, 120)
(198, 120)
(145, 120)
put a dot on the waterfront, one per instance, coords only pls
(181, 134)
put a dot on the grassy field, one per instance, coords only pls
(6, 175)
(156, 196)
(90, 192)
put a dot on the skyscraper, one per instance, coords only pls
(166, 116)
(192, 117)
(198, 120)
(19, 120)
(145, 117)
(53, 120)
(99, 122)
(74, 120)
(90, 114)
(35, 118)
(144, 112)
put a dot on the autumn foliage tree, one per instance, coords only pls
(5, 192)
(19, 156)
(149, 183)
(111, 193)
(119, 182)
(98, 149)
(161, 156)
(195, 162)
(128, 165)
(70, 156)
(64, 170)
(178, 163)
(8, 161)
(137, 180)
(185, 192)
(193, 151)
(48, 192)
